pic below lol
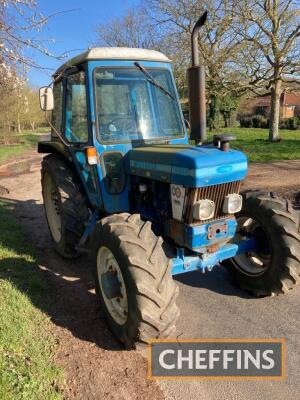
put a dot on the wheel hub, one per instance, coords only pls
(253, 263)
(111, 285)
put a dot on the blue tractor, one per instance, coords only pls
(121, 181)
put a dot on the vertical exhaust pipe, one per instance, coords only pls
(196, 82)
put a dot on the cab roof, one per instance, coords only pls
(114, 53)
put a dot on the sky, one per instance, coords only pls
(73, 31)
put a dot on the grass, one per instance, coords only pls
(19, 144)
(27, 369)
(251, 141)
(9, 152)
(254, 143)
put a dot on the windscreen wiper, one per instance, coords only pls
(152, 80)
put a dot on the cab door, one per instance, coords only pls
(78, 133)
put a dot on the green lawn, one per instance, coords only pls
(27, 369)
(254, 143)
(250, 140)
(19, 144)
(9, 152)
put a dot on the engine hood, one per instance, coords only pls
(190, 166)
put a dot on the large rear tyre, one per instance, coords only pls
(65, 204)
(275, 267)
(133, 280)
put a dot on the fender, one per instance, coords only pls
(54, 147)
(69, 153)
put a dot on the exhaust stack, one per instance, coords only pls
(196, 82)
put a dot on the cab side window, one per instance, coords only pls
(76, 109)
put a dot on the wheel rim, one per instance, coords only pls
(52, 207)
(112, 285)
(252, 263)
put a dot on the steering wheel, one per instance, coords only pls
(131, 122)
(120, 126)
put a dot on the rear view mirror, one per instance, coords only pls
(46, 98)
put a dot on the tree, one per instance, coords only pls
(20, 22)
(167, 25)
(131, 30)
(219, 44)
(227, 107)
(33, 115)
(272, 30)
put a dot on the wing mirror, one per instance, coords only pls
(46, 98)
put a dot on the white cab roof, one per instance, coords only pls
(115, 53)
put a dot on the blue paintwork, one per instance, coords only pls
(195, 237)
(182, 263)
(81, 158)
(190, 166)
(119, 202)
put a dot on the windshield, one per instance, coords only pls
(130, 107)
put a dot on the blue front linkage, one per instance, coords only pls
(207, 261)
(204, 261)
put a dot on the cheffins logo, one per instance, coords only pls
(217, 358)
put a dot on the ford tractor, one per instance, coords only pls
(122, 182)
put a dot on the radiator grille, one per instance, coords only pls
(215, 193)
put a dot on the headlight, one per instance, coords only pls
(232, 203)
(204, 209)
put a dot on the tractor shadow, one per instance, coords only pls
(62, 288)
(218, 280)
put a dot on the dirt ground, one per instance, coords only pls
(282, 177)
(95, 364)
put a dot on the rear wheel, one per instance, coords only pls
(133, 280)
(275, 266)
(65, 204)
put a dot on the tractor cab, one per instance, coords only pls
(128, 95)
(114, 99)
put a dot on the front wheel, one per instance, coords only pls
(275, 265)
(133, 280)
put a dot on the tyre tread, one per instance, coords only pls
(150, 269)
(286, 219)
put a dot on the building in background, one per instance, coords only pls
(289, 105)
